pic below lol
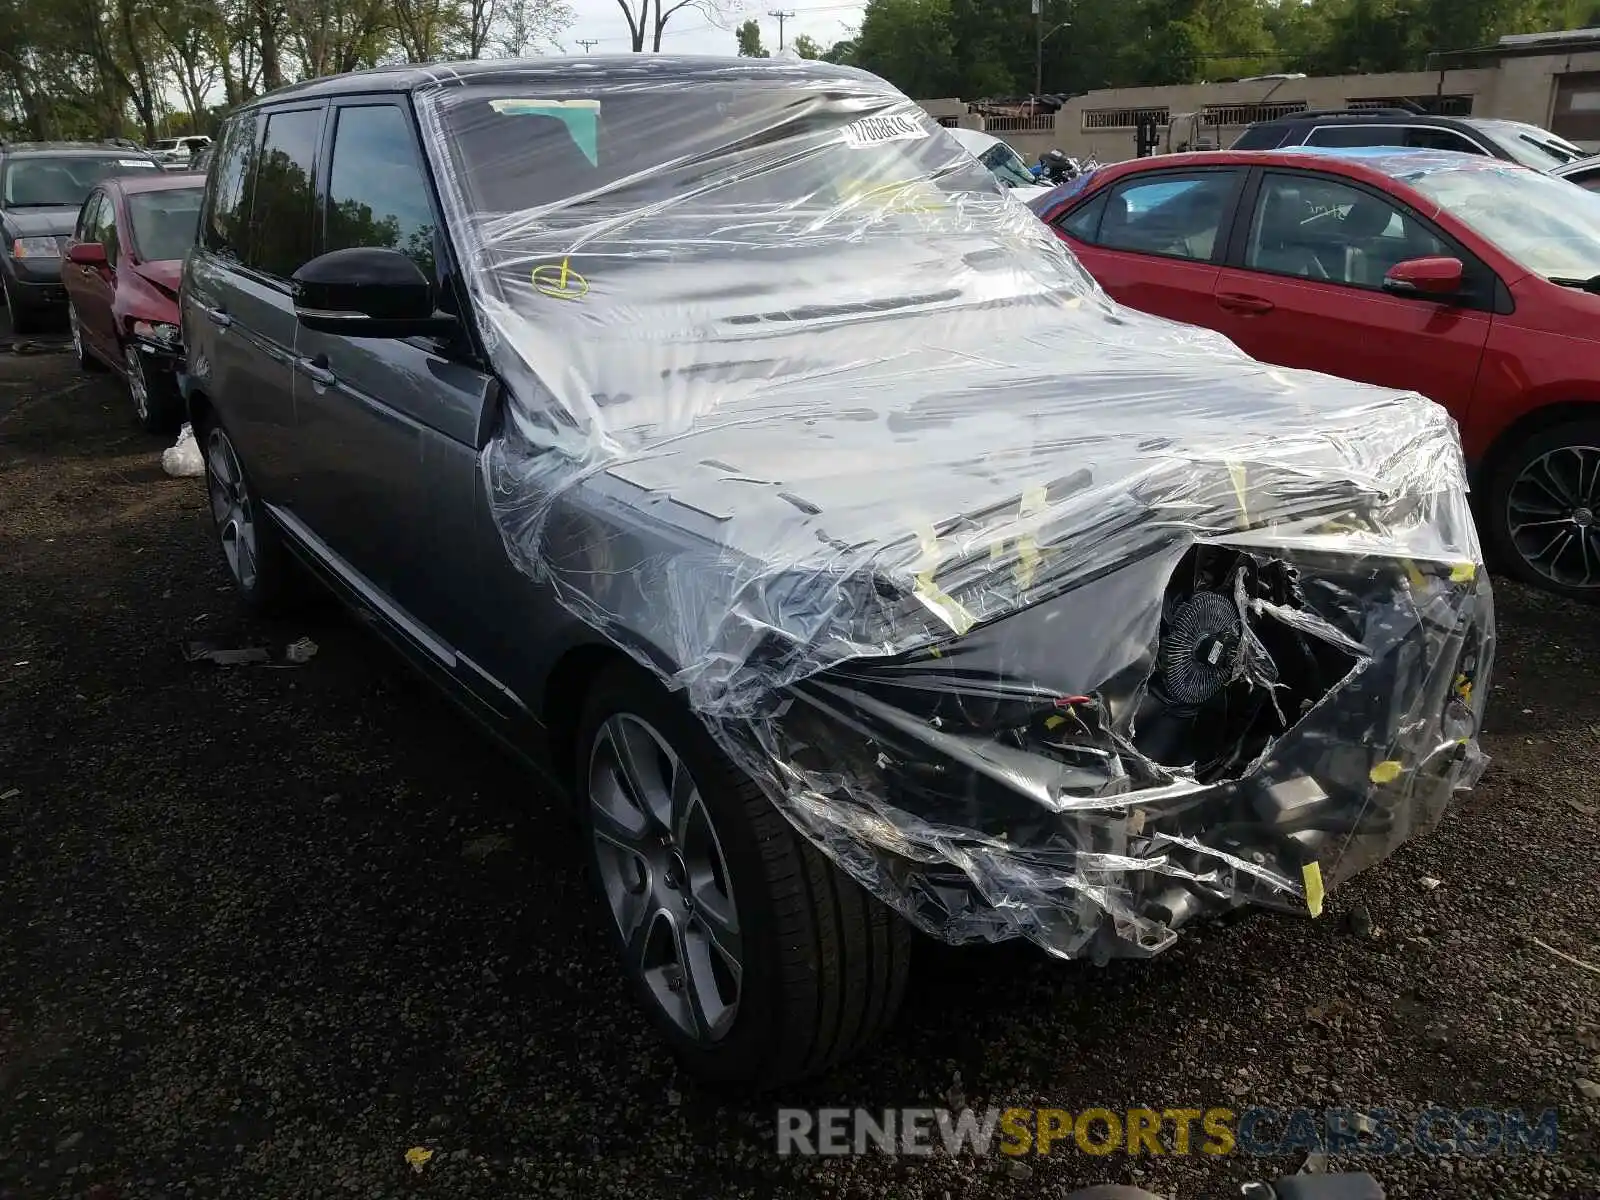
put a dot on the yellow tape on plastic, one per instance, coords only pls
(1311, 876)
(947, 607)
(1236, 473)
(1033, 500)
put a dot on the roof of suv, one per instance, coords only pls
(49, 148)
(605, 69)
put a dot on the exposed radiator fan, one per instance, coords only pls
(1199, 709)
(1200, 649)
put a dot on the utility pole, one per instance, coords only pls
(781, 17)
(587, 42)
(1038, 52)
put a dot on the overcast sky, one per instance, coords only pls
(691, 32)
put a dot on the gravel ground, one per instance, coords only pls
(264, 929)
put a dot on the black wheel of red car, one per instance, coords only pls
(80, 351)
(156, 401)
(1544, 520)
(757, 960)
(251, 544)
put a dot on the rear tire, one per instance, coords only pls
(713, 876)
(252, 546)
(1543, 523)
(80, 351)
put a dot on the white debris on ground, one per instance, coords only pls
(182, 459)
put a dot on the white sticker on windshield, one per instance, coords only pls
(873, 131)
(134, 162)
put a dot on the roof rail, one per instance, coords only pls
(1354, 112)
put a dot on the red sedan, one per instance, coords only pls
(1472, 281)
(121, 278)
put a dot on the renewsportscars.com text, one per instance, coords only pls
(1263, 1132)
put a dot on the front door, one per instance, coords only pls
(1309, 291)
(389, 427)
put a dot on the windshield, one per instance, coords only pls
(748, 181)
(58, 181)
(1546, 224)
(682, 240)
(1532, 146)
(1007, 166)
(164, 222)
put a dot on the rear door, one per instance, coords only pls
(390, 428)
(258, 231)
(1304, 288)
(89, 288)
(1155, 240)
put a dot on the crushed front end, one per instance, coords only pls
(1095, 771)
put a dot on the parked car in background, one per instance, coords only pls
(1585, 173)
(42, 187)
(1474, 281)
(1511, 141)
(764, 472)
(177, 153)
(1004, 163)
(124, 261)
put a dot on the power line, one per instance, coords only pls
(586, 43)
(782, 16)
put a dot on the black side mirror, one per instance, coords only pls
(368, 292)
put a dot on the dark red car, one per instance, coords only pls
(1472, 281)
(121, 276)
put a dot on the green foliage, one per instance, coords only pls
(749, 35)
(806, 46)
(974, 48)
(148, 69)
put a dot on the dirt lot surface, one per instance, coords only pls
(264, 929)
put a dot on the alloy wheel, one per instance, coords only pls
(233, 508)
(1553, 513)
(138, 385)
(665, 878)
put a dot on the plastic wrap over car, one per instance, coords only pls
(1041, 617)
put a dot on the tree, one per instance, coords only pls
(806, 46)
(648, 18)
(749, 36)
(909, 42)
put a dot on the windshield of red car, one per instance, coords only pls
(1548, 225)
(61, 181)
(164, 222)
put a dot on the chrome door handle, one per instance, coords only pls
(217, 317)
(316, 370)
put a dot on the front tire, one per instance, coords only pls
(156, 402)
(757, 960)
(251, 544)
(1544, 510)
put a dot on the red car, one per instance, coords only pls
(121, 277)
(1473, 281)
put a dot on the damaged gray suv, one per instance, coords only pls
(722, 436)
